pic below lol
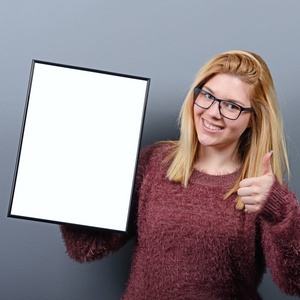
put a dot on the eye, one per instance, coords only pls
(231, 106)
(207, 95)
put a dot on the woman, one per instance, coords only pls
(211, 210)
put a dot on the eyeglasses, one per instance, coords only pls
(228, 109)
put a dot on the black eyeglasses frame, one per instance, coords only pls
(197, 89)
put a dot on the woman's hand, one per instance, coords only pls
(254, 191)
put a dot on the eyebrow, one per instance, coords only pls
(231, 100)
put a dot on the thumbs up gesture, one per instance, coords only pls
(254, 191)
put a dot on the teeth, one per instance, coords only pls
(211, 127)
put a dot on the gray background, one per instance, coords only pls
(167, 41)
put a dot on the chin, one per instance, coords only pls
(209, 145)
(206, 143)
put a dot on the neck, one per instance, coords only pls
(217, 161)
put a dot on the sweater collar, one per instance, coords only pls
(224, 180)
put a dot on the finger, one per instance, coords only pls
(244, 191)
(248, 208)
(247, 182)
(248, 200)
(252, 208)
(267, 168)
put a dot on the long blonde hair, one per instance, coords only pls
(265, 134)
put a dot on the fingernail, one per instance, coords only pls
(271, 152)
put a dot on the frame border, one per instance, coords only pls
(35, 61)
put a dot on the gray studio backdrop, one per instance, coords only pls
(165, 40)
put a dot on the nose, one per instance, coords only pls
(214, 111)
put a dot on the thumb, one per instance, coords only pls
(266, 168)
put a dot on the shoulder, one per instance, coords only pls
(151, 161)
(156, 152)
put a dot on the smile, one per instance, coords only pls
(210, 126)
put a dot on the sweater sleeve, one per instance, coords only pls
(85, 245)
(280, 221)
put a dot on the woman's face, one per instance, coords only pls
(212, 128)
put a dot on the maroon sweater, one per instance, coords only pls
(192, 244)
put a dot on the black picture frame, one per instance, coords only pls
(79, 146)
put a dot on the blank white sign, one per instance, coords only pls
(79, 146)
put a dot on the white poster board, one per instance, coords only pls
(79, 146)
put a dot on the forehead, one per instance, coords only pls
(229, 87)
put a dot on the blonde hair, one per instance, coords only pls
(265, 134)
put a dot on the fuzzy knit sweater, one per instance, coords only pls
(192, 244)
